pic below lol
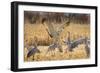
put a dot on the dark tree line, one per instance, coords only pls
(34, 17)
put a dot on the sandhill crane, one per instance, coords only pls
(87, 47)
(52, 47)
(55, 33)
(73, 44)
(32, 51)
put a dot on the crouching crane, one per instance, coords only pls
(33, 49)
(73, 44)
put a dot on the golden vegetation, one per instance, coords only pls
(44, 40)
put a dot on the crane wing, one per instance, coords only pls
(49, 28)
(79, 41)
(65, 24)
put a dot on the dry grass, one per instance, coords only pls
(44, 40)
